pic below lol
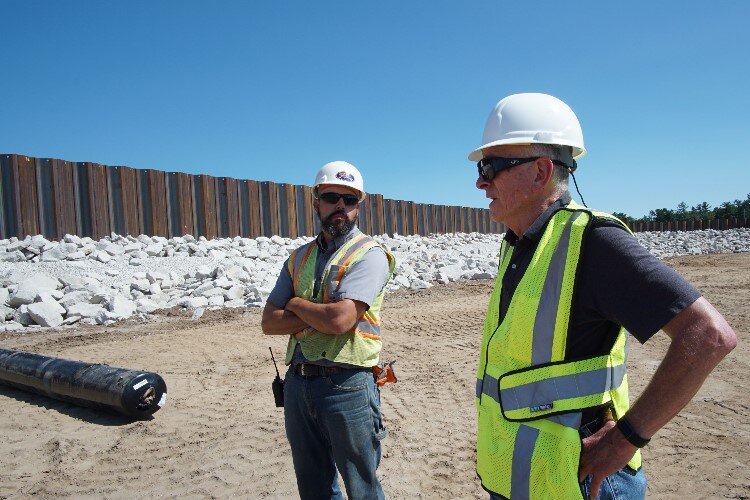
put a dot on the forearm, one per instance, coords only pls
(333, 318)
(277, 321)
(698, 344)
(701, 338)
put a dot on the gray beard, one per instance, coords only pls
(335, 228)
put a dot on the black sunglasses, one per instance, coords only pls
(489, 167)
(349, 199)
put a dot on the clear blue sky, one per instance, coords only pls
(272, 90)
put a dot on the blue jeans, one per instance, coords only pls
(625, 484)
(622, 485)
(333, 423)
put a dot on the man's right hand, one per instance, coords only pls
(277, 321)
(602, 454)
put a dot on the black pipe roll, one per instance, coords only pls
(133, 393)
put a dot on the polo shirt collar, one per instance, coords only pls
(535, 231)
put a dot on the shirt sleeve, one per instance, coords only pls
(629, 285)
(365, 279)
(283, 291)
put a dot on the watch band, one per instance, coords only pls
(627, 430)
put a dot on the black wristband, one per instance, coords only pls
(627, 430)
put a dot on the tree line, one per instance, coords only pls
(701, 211)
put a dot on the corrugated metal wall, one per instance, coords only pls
(55, 197)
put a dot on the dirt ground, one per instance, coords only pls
(220, 435)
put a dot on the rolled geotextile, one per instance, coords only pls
(133, 393)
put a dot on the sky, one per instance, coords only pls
(272, 90)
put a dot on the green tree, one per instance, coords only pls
(682, 211)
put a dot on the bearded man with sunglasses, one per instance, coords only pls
(327, 299)
(554, 418)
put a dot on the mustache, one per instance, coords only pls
(337, 212)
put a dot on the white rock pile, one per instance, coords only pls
(78, 280)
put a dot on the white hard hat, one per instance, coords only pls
(340, 173)
(531, 119)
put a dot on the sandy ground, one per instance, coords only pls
(219, 434)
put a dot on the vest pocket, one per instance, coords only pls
(554, 464)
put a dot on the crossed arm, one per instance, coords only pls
(701, 338)
(332, 318)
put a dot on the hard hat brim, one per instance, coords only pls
(362, 195)
(477, 154)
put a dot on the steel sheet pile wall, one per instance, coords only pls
(55, 197)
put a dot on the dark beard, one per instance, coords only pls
(336, 228)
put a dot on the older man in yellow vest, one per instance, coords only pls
(554, 419)
(327, 299)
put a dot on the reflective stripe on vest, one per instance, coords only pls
(361, 344)
(529, 398)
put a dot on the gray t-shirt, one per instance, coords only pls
(363, 281)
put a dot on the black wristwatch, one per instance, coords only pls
(627, 430)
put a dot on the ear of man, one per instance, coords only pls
(543, 173)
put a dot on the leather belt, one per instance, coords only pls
(308, 370)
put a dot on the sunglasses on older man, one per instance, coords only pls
(349, 199)
(490, 167)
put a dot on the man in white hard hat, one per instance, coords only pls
(327, 299)
(554, 418)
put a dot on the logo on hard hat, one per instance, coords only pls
(345, 176)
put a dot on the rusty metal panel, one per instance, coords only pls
(222, 215)
(45, 199)
(26, 196)
(272, 205)
(395, 215)
(8, 205)
(207, 188)
(184, 198)
(364, 216)
(124, 201)
(379, 214)
(413, 218)
(132, 212)
(158, 199)
(437, 217)
(233, 207)
(98, 204)
(396, 220)
(99, 194)
(254, 215)
(404, 219)
(289, 210)
(179, 188)
(63, 193)
(114, 197)
(420, 209)
(307, 211)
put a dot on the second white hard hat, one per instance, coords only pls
(340, 173)
(531, 119)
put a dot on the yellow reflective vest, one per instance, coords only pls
(361, 345)
(529, 397)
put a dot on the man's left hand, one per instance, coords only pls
(603, 454)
